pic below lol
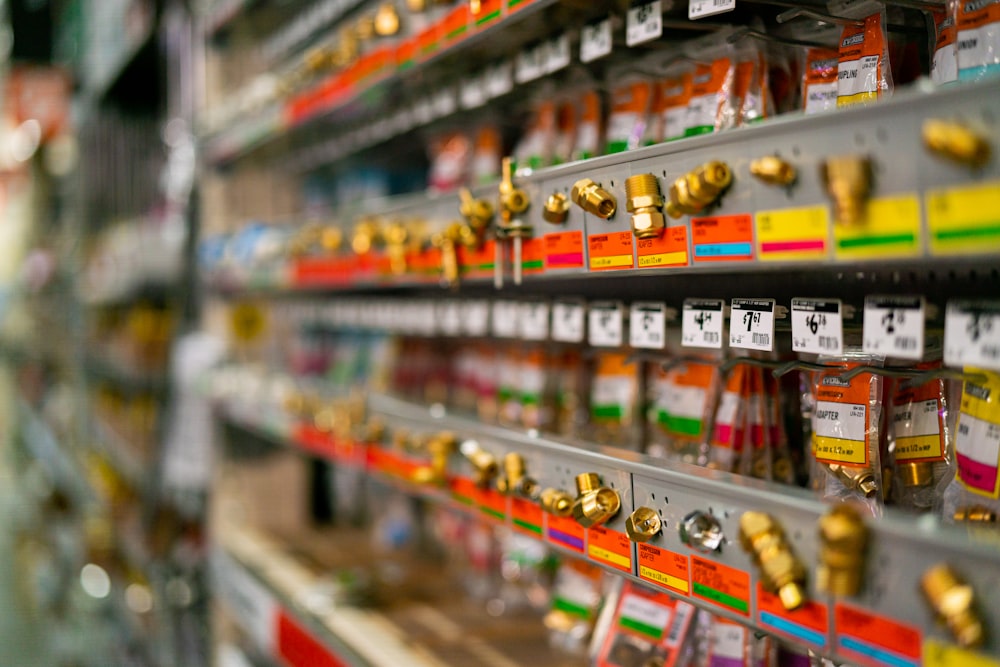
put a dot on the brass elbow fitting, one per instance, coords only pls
(643, 524)
(956, 142)
(484, 463)
(954, 603)
(644, 201)
(848, 181)
(855, 478)
(515, 481)
(975, 514)
(594, 504)
(763, 538)
(843, 541)
(695, 191)
(477, 212)
(556, 502)
(440, 447)
(556, 208)
(772, 170)
(593, 199)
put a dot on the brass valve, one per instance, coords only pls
(916, 473)
(644, 201)
(848, 181)
(975, 514)
(556, 502)
(484, 463)
(701, 531)
(772, 170)
(956, 142)
(477, 212)
(643, 524)
(954, 603)
(780, 571)
(843, 541)
(386, 20)
(366, 235)
(695, 191)
(447, 241)
(396, 237)
(855, 478)
(593, 199)
(440, 447)
(316, 59)
(515, 480)
(556, 208)
(594, 504)
(513, 202)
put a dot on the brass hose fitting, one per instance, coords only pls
(515, 480)
(781, 572)
(695, 191)
(386, 20)
(848, 181)
(484, 463)
(396, 236)
(644, 201)
(954, 603)
(772, 170)
(587, 482)
(593, 199)
(975, 514)
(643, 524)
(843, 541)
(855, 478)
(594, 504)
(556, 502)
(556, 208)
(956, 142)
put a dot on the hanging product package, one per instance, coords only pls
(680, 402)
(711, 83)
(672, 103)
(487, 155)
(726, 442)
(845, 431)
(450, 157)
(614, 396)
(537, 389)
(631, 103)
(590, 129)
(973, 498)
(944, 62)
(509, 385)
(756, 458)
(486, 361)
(536, 146)
(978, 39)
(782, 462)
(565, 139)
(729, 644)
(819, 80)
(863, 74)
(576, 599)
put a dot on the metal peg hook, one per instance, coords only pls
(743, 33)
(803, 12)
(732, 363)
(797, 365)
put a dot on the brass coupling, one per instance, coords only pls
(556, 502)
(695, 191)
(556, 208)
(780, 570)
(848, 181)
(643, 524)
(772, 170)
(644, 201)
(477, 212)
(954, 603)
(595, 504)
(366, 235)
(593, 199)
(515, 480)
(483, 463)
(843, 544)
(915, 474)
(855, 478)
(956, 142)
(440, 447)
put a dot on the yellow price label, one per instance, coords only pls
(964, 219)
(793, 234)
(247, 322)
(939, 654)
(890, 228)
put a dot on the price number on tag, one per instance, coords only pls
(605, 325)
(817, 326)
(894, 326)
(505, 316)
(972, 334)
(530, 63)
(534, 321)
(500, 79)
(450, 318)
(595, 40)
(644, 23)
(702, 323)
(751, 324)
(568, 322)
(648, 326)
(557, 54)
(701, 8)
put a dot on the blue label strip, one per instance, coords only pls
(793, 629)
(877, 653)
(723, 250)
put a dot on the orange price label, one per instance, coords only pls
(668, 249)
(526, 516)
(722, 238)
(565, 532)
(564, 250)
(533, 256)
(870, 639)
(490, 12)
(322, 271)
(665, 568)
(609, 547)
(810, 623)
(516, 5)
(720, 584)
(477, 262)
(612, 251)
(406, 54)
(464, 491)
(456, 24)
(493, 504)
(311, 439)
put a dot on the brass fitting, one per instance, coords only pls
(331, 238)
(855, 478)
(781, 572)
(386, 20)
(513, 200)
(954, 602)
(365, 27)
(593, 199)
(556, 208)
(956, 142)
(594, 504)
(643, 524)
(396, 237)
(484, 463)
(440, 447)
(975, 514)
(644, 201)
(918, 473)
(478, 213)
(701, 531)
(515, 481)
(695, 191)
(843, 541)
(366, 235)
(848, 181)
(772, 170)
(557, 502)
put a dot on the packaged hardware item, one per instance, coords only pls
(537, 388)
(671, 111)
(973, 497)
(729, 644)
(710, 84)
(783, 464)
(487, 155)
(509, 385)
(726, 442)
(614, 399)
(572, 410)
(567, 119)
(631, 104)
(819, 80)
(746, 97)
(536, 147)
(681, 397)
(450, 155)
(944, 62)
(590, 128)
(575, 602)
(863, 73)
(756, 459)
(647, 628)
(978, 39)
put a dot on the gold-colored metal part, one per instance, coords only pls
(365, 27)
(772, 170)
(587, 482)
(918, 473)
(975, 514)
(331, 238)
(855, 478)
(556, 502)
(366, 235)
(477, 212)
(416, 6)
(695, 191)
(781, 572)
(440, 447)
(556, 208)
(447, 240)
(843, 541)
(317, 59)
(956, 142)
(848, 181)
(644, 201)
(483, 463)
(386, 20)
(593, 199)
(396, 237)
(643, 524)
(954, 602)
(594, 504)
(515, 480)
(513, 200)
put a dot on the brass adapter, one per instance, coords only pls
(477, 212)
(643, 524)
(556, 208)
(484, 463)
(440, 447)
(975, 514)
(593, 199)
(644, 201)
(772, 170)
(556, 502)
(956, 142)
(515, 480)
(781, 572)
(695, 191)
(855, 478)
(513, 200)
(954, 603)
(917, 473)
(366, 235)
(594, 504)
(848, 181)
(843, 541)
(397, 238)
(386, 20)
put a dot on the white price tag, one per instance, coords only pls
(472, 93)
(426, 318)
(534, 321)
(250, 602)
(751, 324)
(557, 54)
(568, 322)
(605, 325)
(647, 326)
(476, 318)
(894, 326)
(505, 319)
(817, 326)
(702, 323)
(530, 63)
(423, 111)
(701, 8)
(450, 318)
(972, 334)
(644, 23)
(444, 102)
(595, 40)
(500, 79)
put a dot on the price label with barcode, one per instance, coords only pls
(534, 321)
(444, 102)
(568, 321)
(644, 23)
(894, 326)
(505, 315)
(647, 326)
(530, 63)
(499, 80)
(751, 324)
(476, 318)
(472, 92)
(557, 55)
(702, 323)
(817, 326)
(701, 8)
(605, 325)
(972, 334)
(595, 40)
(426, 318)
(450, 317)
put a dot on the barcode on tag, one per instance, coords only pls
(894, 326)
(682, 618)
(972, 334)
(647, 326)
(751, 324)
(534, 321)
(702, 323)
(557, 54)
(644, 23)
(530, 63)
(817, 326)
(604, 324)
(505, 316)
(472, 92)
(500, 79)
(568, 321)
(701, 8)
(476, 318)
(595, 40)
